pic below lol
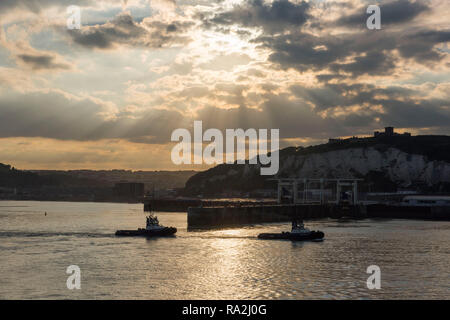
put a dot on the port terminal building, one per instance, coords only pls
(317, 191)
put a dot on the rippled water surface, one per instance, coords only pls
(35, 249)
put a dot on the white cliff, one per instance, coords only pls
(398, 166)
(379, 162)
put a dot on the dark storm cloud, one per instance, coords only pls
(395, 12)
(373, 63)
(284, 14)
(51, 115)
(42, 62)
(124, 30)
(297, 50)
(361, 52)
(330, 96)
(296, 114)
(273, 17)
(54, 115)
(419, 45)
(329, 77)
(373, 53)
(400, 105)
(350, 108)
(416, 114)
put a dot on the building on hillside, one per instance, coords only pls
(390, 132)
(332, 140)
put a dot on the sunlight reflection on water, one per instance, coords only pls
(215, 264)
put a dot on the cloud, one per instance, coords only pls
(360, 104)
(394, 12)
(419, 45)
(373, 63)
(308, 70)
(17, 42)
(272, 17)
(38, 5)
(43, 61)
(123, 30)
(298, 37)
(366, 52)
(226, 61)
(57, 115)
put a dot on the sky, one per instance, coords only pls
(109, 95)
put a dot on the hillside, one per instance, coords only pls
(81, 185)
(152, 179)
(12, 178)
(385, 163)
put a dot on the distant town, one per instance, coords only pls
(427, 173)
(89, 185)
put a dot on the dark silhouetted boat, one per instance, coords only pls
(152, 229)
(298, 233)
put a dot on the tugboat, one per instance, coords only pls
(152, 229)
(298, 233)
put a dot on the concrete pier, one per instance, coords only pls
(199, 217)
(218, 217)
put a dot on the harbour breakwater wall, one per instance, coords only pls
(200, 217)
(218, 217)
(408, 212)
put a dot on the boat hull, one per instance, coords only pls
(314, 235)
(166, 232)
